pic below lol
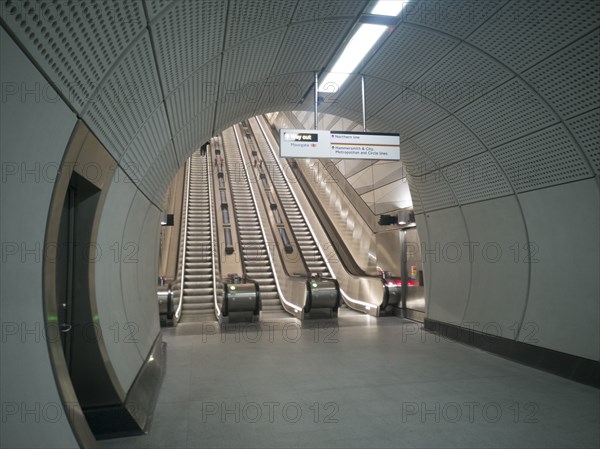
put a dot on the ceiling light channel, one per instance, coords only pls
(364, 39)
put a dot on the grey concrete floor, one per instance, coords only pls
(360, 382)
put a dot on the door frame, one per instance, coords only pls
(82, 150)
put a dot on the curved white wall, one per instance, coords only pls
(533, 274)
(34, 132)
(126, 277)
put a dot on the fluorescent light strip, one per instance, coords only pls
(361, 43)
(388, 7)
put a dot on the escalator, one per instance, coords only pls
(255, 259)
(306, 242)
(360, 291)
(197, 302)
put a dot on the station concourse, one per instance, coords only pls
(300, 224)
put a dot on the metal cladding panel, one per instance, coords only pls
(284, 92)
(247, 19)
(383, 173)
(570, 79)
(155, 7)
(499, 285)
(338, 109)
(194, 95)
(236, 107)
(506, 113)
(194, 133)
(75, 43)
(415, 196)
(523, 33)
(378, 93)
(476, 179)
(249, 63)
(388, 198)
(309, 46)
(410, 114)
(586, 129)
(160, 174)
(127, 98)
(564, 267)
(448, 141)
(450, 268)
(457, 18)
(327, 11)
(434, 190)
(462, 76)
(542, 159)
(353, 167)
(187, 36)
(414, 158)
(418, 49)
(152, 138)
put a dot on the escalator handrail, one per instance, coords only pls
(275, 192)
(184, 242)
(329, 268)
(214, 254)
(275, 229)
(289, 304)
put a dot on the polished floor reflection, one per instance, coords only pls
(362, 382)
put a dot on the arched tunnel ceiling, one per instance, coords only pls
(508, 87)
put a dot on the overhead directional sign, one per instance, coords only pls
(301, 143)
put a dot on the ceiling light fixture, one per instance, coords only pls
(361, 43)
(388, 7)
(364, 39)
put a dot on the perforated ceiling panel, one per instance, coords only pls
(410, 114)
(250, 18)
(586, 129)
(417, 48)
(337, 109)
(545, 158)
(308, 46)
(75, 43)
(476, 179)
(378, 93)
(329, 10)
(415, 196)
(284, 92)
(126, 99)
(525, 32)
(413, 157)
(195, 133)
(434, 191)
(461, 77)
(160, 174)
(240, 70)
(448, 141)
(507, 113)
(570, 80)
(194, 95)
(217, 61)
(155, 7)
(151, 139)
(458, 18)
(187, 36)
